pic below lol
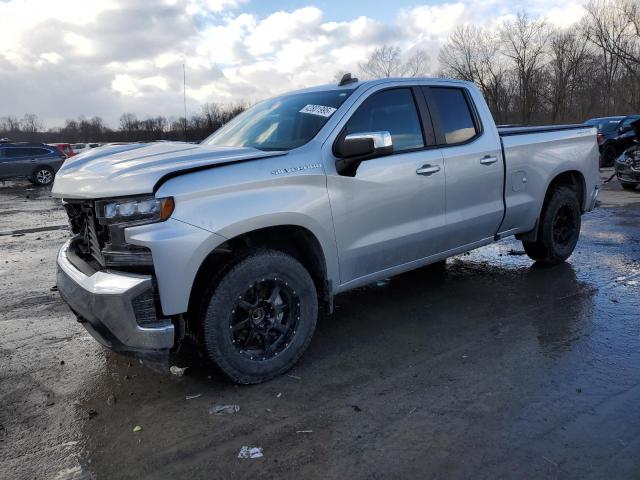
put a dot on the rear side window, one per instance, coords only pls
(627, 122)
(26, 152)
(455, 114)
(393, 111)
(608, 126)
(17, 152)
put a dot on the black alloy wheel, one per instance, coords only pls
(558, 228)
(564, 225)
(260, 317)
(264, 319)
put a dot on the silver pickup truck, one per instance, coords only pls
(242, 240)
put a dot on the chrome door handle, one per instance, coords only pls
(488, 160)
(428, 169)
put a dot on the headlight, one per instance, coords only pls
(624, 159)
(147, 209)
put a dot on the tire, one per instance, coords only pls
(628, 186)
(558, 230)
(242, 315)
(609, 154)
(43, 176)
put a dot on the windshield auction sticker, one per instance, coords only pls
(320, 110)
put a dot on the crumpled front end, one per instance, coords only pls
(117, 308)
(129, 279)
(627, 165)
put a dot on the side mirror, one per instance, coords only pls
(624, 129)
(367, 144)
(357, 147)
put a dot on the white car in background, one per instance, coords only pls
(83, 147)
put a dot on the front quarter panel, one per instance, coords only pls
(235, 199)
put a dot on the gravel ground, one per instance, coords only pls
(493, 368)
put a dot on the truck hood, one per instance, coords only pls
(123, 170)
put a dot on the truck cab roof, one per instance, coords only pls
(381, 81)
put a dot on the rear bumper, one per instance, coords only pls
(105, 303)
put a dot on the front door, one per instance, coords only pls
(392, 211)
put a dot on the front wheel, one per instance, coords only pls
(628, 186)
(559, 228)
(260, 318)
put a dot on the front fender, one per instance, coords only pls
(178, 250)
(232, 201)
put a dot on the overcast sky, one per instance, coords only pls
(64, 58)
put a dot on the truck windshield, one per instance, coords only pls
(280, 123)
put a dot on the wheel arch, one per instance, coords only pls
(295, 240)
(573, 179)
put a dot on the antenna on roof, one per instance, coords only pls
(347, 79)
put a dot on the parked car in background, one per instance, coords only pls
(628, 164)
(244, 238)
(607, 129)
(615, 135)
(37, 162)
(65, 148)
(83, 147)
(80, 147)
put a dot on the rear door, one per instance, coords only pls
(5, 166)
(388, 213)
(473, 163)
(16, 162)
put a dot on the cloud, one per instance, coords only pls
(71, 57)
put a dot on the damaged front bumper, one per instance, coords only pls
(627, 166)
(114, 307)
(627, 174)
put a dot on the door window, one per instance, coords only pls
(455, 115)
(18, 152)
(26, 152)
(626, 124)
(393, 111)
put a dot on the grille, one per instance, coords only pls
(90, 236)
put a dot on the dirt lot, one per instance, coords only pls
(492, 369)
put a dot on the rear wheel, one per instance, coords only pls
(43, 176)
(628, 186)
(559, 228)
(260, 318)
(609, 154)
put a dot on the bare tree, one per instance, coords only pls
(387, 61)
(416, 65)
(9, 124)
(567, 56)
(613, 26)
(473, 54)
(525, 42)
(129, 125)
(30, 123)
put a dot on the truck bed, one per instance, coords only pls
(533, 157)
